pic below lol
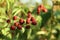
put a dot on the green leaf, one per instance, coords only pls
(3, 37)
(41, 32)
(1, 20)
(2, 11)
(29, 34)
(9, 35)
(14, 10)
(57, 14)
(57, 26)
(39, 20)
(5, 25)
(3, 17)
(5, 31)
(45, 17)
(17, 12)
(2, 25)
(11, 1)
(23, 30)
(8, 4)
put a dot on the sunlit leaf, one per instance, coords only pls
(17, 12)
(29, 34)
(8, 5)
(23, 30)
(5, 31)
(1, 20)
(14, 10)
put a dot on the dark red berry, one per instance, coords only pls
(16, 23)
(15, 17)
(28, 21)
(8, 21)
(29, 14)
(32, 18)
(19, 27)
(12, 27)
(21, 21)
(38, 10)
(41, 6)
(34, 22)
(27, 27)
(44, 10)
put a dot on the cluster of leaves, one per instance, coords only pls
(42, 31)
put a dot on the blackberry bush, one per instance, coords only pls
(19, 22)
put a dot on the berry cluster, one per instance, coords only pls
(41, 7)
(18, 25)
(29, 20)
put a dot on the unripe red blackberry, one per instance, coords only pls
(19, 27)
(44, 10)
(8, 21)
(21, 21)
(34, 22)
(12, 27)
(15, 17)
(27, 27)
(29, 14)
(28, 21)
(16, 23)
